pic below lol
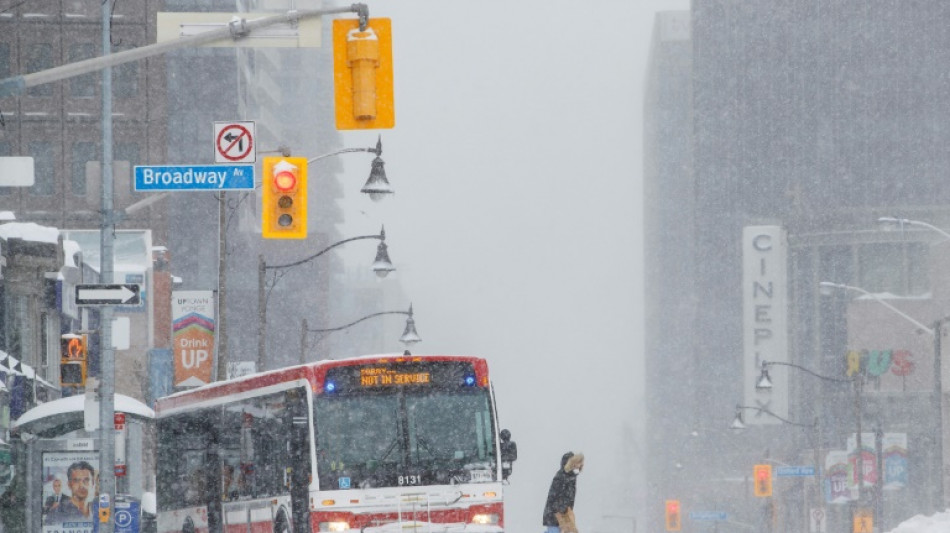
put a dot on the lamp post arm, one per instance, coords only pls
(338, 152)
(325, 250)
(807, 371)
(883, 302)
(908, 222)
(355, 322)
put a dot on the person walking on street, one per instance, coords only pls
(559, 507)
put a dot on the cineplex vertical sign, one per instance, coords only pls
(765, 318)
(193, 337)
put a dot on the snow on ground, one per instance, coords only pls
(939, 522)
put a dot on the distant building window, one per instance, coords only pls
(128, 152)
(83, 152)
(39, 57)
(44, 168)
(896, 268)
(6, 149)
(5, 60)
(83, 86)
(125, 78)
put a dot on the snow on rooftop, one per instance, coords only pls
(28, 231)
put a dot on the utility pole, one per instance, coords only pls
(106, 259)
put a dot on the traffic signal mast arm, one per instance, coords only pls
(238, 28)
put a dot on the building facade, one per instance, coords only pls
(816, 119)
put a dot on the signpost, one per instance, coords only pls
(123, 294)
(194, 177)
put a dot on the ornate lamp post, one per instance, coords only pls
(409, 335)
(381, 266)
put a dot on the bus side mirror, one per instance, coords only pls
(509, 453)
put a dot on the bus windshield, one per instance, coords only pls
(403, 437)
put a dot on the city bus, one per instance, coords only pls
(366, 444)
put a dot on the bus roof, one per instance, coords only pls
(312, 373)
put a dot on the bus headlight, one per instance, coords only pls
(485, 518)
(334, 526)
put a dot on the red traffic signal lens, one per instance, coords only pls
(285, 181)
(672, 507)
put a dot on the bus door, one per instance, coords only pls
(297, 420)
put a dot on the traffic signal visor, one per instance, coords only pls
(673, 522)
(763, 480)
(284, 198)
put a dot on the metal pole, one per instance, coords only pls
(261, 312)
(222, 327)
(303, 341)
(938, 408)
(236, 30)
(860, 463)
(106, 236)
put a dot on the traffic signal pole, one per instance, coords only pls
(237, 29)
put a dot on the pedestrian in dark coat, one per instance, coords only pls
(559, 507)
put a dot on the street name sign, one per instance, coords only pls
(708, 516)
(121, 294)
(194, 177)
(793, 471)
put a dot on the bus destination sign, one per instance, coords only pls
(385, 377)
(396, 375)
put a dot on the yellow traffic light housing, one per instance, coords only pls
(73, 360)
(673, 522)
(363, 74)
(762, 475)
(284, 198)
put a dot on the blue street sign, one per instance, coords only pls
(194, 177)
(708, 516)
(791, 471)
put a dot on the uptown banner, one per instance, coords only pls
(193, 337)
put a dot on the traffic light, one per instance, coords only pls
(284, 198)
(673, 522)
(763, 480)
(363, 74)
(73, 360)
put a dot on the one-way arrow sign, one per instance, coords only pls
(126, 294)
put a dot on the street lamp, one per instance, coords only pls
(891, 223)
(765, 383)
(828, 288)
(409, 334)
(381, 266)
(376, 186)
(738, 424)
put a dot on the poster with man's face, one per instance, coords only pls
(69, 491)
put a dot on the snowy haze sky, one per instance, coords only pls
(516, 226)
